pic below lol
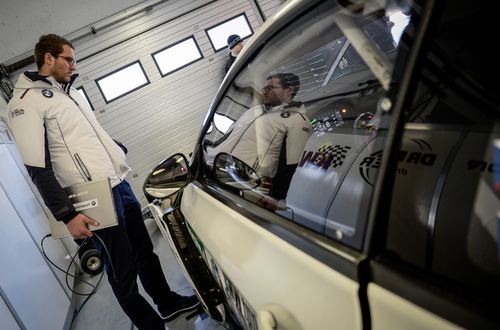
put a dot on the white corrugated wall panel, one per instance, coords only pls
(130, 27)
(165, 116)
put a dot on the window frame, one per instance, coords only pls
(116, 71)
(163, 75)
(356, 242)
(86, 96)
(216, 50)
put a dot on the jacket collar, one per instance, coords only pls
(293, 106)
(34, 76)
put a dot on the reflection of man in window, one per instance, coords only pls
(270, 137)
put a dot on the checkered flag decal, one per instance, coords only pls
(337, 152)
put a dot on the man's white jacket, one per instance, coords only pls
(263, 137)
(58, 134)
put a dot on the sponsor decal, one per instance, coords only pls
(176, 230)
(47, 93)
(482, 166)
(325, 157)
(90, 204)
(369, 165)
(333, 156)
(16, 112)
(234, 298)
(78, 194)
(197, 241)
(423, 157)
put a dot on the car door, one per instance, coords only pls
(436, 266)
(292, 262)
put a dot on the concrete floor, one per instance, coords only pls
(102, 310)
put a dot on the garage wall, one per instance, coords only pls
(164, 117)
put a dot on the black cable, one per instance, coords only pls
(109, 256)
(67, 273)
(75, 315)
(94, 287)
(59, 268)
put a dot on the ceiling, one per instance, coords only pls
(23, 21)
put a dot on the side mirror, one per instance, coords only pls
(166, 179)
(234, 173)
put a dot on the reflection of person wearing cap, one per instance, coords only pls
(235, 44)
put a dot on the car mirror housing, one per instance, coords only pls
(234, 173)
(166, 179)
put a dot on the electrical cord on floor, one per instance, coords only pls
(77, 311)
(67, 271)
(94, 287)
(67, 275)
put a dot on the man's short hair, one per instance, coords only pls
(49, 43)
(287, 80)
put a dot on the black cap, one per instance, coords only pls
(233, 40)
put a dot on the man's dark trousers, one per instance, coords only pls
(131, 254)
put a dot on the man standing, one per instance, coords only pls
(63, 144)
(271, 137)
(235, 44)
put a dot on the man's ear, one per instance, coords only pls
(290, 90)
(49, 59)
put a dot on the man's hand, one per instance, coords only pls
(77, 226)
(269, 203)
